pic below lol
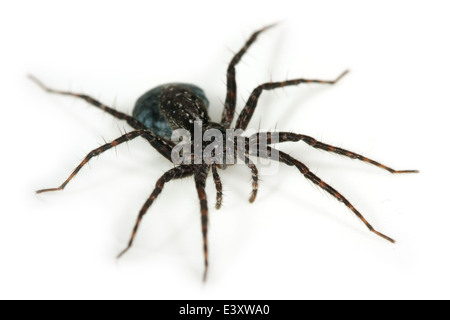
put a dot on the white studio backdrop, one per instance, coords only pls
(295, 241)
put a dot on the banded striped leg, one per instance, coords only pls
(163, 146)
(247, 113)
(230, 100)
(245, 157)
(218, 184)
(126, 137)
(201, 173)
(119, 115)
(175, 173)
(293, 137)
(290, 161)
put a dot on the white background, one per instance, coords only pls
(295, 241)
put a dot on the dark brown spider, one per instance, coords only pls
(166, 108)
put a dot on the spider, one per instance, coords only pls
(166, 108)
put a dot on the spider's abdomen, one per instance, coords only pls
(162, 118)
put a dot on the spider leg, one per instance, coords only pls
(230, 100)
(179, 172)
(218, 184)
(117, 114)
(201, 173)
(293, 137)
(163, 146)
(290, 161)
(247, 113)
(126, 137)
(245, 157)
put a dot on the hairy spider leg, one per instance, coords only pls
(247, 113)
(249, 163)
(163, 146)
(230, 100)
(126, 137)
(200, 175)
(290, 161)
(218, 184)
(179, 172)
(293, 137)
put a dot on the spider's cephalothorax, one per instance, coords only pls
(175, 106)
(181, 107)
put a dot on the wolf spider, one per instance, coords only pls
(176, 105)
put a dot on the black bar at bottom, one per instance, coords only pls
(225, 309)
